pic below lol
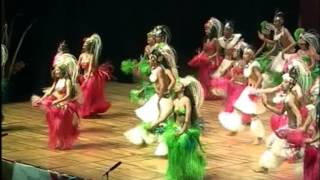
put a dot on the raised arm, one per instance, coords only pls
(269, 90)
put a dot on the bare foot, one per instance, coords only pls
(261, 170)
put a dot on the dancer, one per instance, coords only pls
(92, 78)
(281, 32)
(305, 58)
(141, 70)
(285, 40)
(185, 157)
(269, 49)
(163, 37)
(312, 150)
(206, 60)
(247, 106)
(157, 107)
(286, 141)
(61, 110)
(230, 43)
(63, 57)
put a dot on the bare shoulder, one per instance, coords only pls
(185, 99)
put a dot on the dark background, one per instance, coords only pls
(123, 25)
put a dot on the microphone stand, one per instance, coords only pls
(111, 169)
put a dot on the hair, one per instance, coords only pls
(229, 24)
(293, 73)
(164, 32)
(63, 47)
(216, 29)
(279, 13)
(193, 90)
(312, 39)
(93, 45)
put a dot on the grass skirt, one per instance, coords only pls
(186, 161)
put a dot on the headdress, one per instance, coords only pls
(196, 90)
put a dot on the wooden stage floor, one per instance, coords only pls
(102, 144)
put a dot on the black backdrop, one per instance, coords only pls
(122, 26)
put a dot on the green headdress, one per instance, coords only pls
(297, 33)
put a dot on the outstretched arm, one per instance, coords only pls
(269, 90)
(270, 107)
(49, 92)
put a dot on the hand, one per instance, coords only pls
(55, 102)
(308, 141)
(179, 133)
(261, 36)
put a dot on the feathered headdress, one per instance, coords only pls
(312, 38)
(163, 31)
(217, 25)
(196, 90)
(265, 26)
(229, 25)
(95, 46)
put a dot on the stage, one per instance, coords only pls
(102, 144)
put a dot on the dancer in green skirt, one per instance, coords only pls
(186, 160)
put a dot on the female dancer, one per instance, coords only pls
(92, 78)
(185, 157)
(284, 142)
(304, 59)
(312, 149)
(247, 106)
(269, 49)
(157, 107)
(205, 60)
(141, 70)
(230, 43)
(163, 37)
(61, 109)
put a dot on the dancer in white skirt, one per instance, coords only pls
(231, 43)
(247, 105)
(158, 107)
(286, 141)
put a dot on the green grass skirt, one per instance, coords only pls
(186, 160)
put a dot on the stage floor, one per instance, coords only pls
(102, 144)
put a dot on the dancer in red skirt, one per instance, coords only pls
(206, 60)
(61, 109)
(93, 78)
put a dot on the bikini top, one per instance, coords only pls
(60, 86)
(180, 111)
(153, 76)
